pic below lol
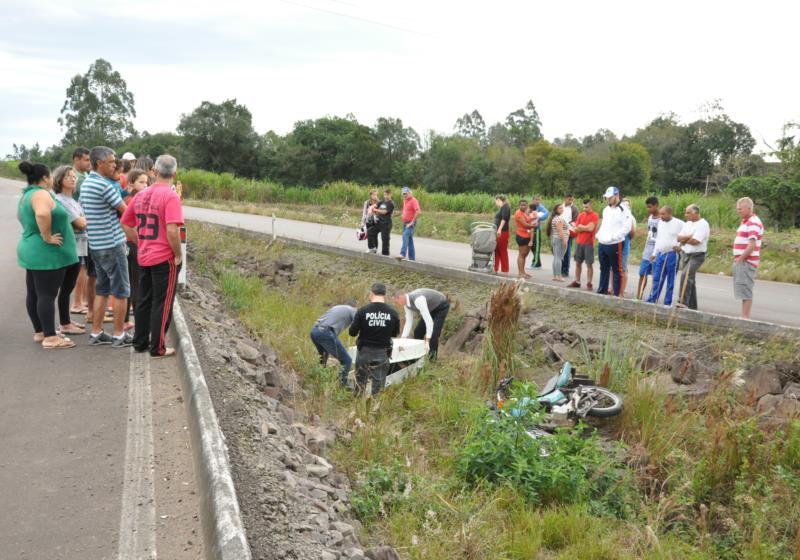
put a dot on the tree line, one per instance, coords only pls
(511, 156)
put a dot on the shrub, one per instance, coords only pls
(379, 491)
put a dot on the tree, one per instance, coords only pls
(400, 145)
(524, 126)
(550, 167)
(154, 145)
(456, 164)
(98, 108)
(508, 169)
(472, 125)
(631, 167)
(22, 152)
(788, 150)
(220, 137)
(780, 195)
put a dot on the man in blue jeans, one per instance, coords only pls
(411, 212)
(325, 336)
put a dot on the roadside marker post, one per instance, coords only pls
(182, 273)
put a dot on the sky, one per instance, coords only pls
(585, 64)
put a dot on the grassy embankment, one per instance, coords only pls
(448, 216)
(706, 481)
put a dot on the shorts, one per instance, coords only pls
(744, 277)
(584, 253)
(646, 268)
(88, 264)
(523, 241)
(112, 272)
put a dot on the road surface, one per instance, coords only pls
(776, 302)
(92, 450)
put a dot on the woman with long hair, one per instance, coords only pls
(369, 221)
(558, 230)
(501, 222)
(46, 249)
(524, 226)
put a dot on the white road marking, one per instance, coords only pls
(137, 527)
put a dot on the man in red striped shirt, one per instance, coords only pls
(746, 254)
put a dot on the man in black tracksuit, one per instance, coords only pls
(374, 324)
(384, 211)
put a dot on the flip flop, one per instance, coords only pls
(38, 337)
(60, 344)
(72, 330)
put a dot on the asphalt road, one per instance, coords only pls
(775, 302)
(66, 433)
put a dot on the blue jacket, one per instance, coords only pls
(544, 214)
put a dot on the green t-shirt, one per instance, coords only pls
(76, 194)
(32, 252)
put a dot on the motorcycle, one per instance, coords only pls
(566, 398)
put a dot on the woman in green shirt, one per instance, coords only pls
(46, 250)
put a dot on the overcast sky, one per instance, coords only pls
(585, 64)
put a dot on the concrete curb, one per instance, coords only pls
(670, 316)
(223, 532)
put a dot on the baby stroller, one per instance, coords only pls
(483, 239)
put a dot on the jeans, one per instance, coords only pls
(112, 272)
(438, 315)
(691, 263)
(664, 270)
(610, 257)
(408, 242)
(328, 344)
(153, 312)
(566, 259)
(372, 363)
(558, 248)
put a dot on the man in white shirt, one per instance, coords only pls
(665, 256)
(433, 307)
(694, 242)
(616, 225)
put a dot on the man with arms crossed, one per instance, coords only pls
(374, 324)
(102, 205)
(153, 222)
(585, 225)
(694, 242)
(433, 307)
(747, 254)
(665, 256)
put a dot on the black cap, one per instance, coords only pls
(587, 200)
(378, 289)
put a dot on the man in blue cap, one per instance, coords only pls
(616, 225)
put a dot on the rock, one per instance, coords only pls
(652, 362)
(682, 368)
(284, 263)
(327, 555)
(382, 553)
(768, 403)
(787, 408)
(344, 528)
(457, 341)
(247, 352)
(762, 380)
(291, 481)
(354, 554)
(268, 428)
(537, 328)
(318, 440)
(792, 390)
(320, 471)
(334, 538)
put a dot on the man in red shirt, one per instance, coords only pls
(585, 225)
(152, 221)
(411, 212)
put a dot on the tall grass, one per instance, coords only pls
(718, 209)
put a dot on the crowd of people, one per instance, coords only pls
(101, 238)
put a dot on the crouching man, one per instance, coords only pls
(375, 325)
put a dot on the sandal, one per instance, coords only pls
(72, 329)
(38, 337)
(58, 344)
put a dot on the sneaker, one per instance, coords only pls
(100, 339)
(122, 341)
(589, 286)
(574, 285)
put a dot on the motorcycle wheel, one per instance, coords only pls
(608, 403)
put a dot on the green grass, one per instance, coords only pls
(9, 170)
(708, 481)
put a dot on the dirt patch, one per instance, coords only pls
(294, 503)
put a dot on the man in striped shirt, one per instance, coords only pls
(102, 204)
(746, 254)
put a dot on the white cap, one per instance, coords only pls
(611, 191)
(128, 156)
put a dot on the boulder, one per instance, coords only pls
(682, 368)
(247, 352)
(767, 404)
(653, 362)
(787, 408)
(792, 390)
(762, 380)
(382, 553)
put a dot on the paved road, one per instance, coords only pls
(77, 456)
(776, 302)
